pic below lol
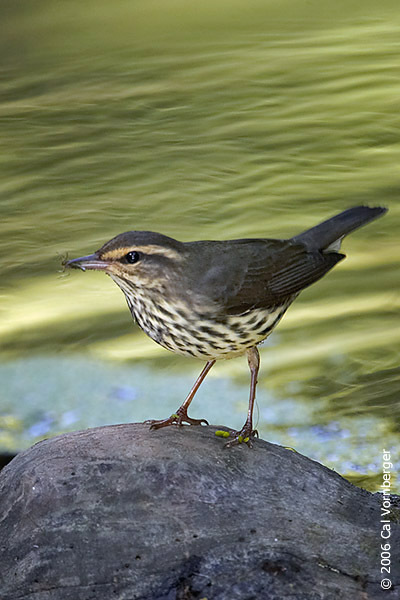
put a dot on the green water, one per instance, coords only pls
(219, 120)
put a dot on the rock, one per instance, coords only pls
(127, 513)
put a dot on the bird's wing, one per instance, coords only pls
(262, 273)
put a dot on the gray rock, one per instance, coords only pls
(125, 513)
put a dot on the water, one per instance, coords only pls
(217, 120)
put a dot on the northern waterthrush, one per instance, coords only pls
(219, 299)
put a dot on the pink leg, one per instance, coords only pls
(181, 415)
(247, 433)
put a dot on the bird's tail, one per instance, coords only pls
(327, 235)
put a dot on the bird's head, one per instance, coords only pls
(138, 259)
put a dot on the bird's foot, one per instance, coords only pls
(245, 436)
(178, 418)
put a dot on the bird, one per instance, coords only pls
(217, 300)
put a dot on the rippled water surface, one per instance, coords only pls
(219, 120)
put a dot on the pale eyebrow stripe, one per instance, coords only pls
(149, 249)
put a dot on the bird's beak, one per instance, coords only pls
(92, 262)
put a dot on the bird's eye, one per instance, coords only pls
(132, 257)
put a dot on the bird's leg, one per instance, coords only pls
(181, 415)
(247, 433)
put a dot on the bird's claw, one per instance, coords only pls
(245, 436)
(178, 418)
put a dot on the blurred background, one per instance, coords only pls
(209, 120)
